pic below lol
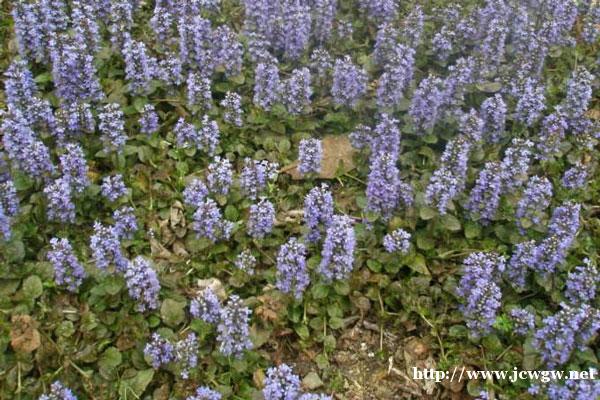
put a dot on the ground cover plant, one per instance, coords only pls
(297, 199)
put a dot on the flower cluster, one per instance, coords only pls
(485, 196)
(570, 328)
(112, 128)
(142, 284)
(296, 91)
(523, 320)
(220, 176)
(245, 261)
(204, 393)
(206, 306)
(292, 272)
(232, 105)
(310, 155)
(318, 211)
(232, 329)
(582, 283)
(208, 222)
(148, 120)
(106, 248)
(337, 256)
(195, 193)
(397, 241)
(113, 187)
(255, 176)
(282, 384)
(536, 199)
(125, 223)
(349, 82)
(68, 271)
(58, 391)
(60, 203)
(261, 219)
(478, 289)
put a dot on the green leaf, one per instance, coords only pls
(427, 213)
(374, 265)
(341, 287)
(489, 87)
(451, 223)
(136, 385)
(419, 265)
(15, 251)
(424, 242)
(472, 230)
(32, 287)
(319, 291)
(172, 312)
(302, 331)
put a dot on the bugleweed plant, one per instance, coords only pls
(206, 199)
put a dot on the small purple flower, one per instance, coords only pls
(255, 176)
(292, 272)
(148, 120)
(106, 248)
(493, 113)
(337, 256)
(227, 51)
(60, 202)
(536, 199)
(516, 162)
(485, 196)
(349, 83)
(204, 393)
(208, 136)
(525, 257)
(74, 167)
(245, 261)
(478, 289)
(112, 128)
(471, 125)
(579, 93)
(209, 223)
(523, 320)
(582, 283)
(551, 135)
(140, 67)
(575, 177)
(198, 91)
(186, 354)
(186, 134)
(160, 351)
(68, 271)
(281, 384)
(220, 176)
(426, 104)
(143, 284)
(58, 391)
(195, 193)
(532, 102)
(206, 306)
(125, 222)
(570, 328)
(310, 155)
(232, 105)
(267, 87)
(397, 241)
(261, 219)
(113, 187)
(233, 332)
(318, 211)
(296, 91)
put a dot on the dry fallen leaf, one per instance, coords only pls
(337, 153)
(24, 337)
